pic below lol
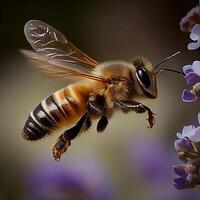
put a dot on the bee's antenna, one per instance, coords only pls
(166, 59)
(170, 70)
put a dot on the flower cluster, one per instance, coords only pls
(188, 144)
(188, 149)
(192, 76)
(191, 23)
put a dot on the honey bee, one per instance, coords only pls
(98, 89)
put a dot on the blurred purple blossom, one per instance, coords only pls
(80, 179)
(192, 17)
(192, 76)
(152, 161)
(195, 36)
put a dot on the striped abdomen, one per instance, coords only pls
(57, 111)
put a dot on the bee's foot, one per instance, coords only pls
(59, 148)
(151, 119)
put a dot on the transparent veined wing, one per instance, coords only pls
(55, 56)
(49, 42)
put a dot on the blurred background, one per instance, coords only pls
(127, 160)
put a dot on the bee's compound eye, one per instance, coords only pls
(143, 77)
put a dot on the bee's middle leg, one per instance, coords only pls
(139, 108)
(96, 106)
(64, 141)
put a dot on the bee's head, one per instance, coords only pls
(146, 77)
(146, 74)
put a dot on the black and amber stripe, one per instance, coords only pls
(38, 124)
(60, 108)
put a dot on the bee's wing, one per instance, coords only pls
(49, 42)
(56, 56)
(57, 69)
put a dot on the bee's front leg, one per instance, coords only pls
(64, 141)
(138, 108)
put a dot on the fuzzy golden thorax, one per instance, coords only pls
(132, 86)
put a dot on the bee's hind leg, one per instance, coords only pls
(138, 108)
(64, 141)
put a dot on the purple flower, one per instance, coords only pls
(183, 145)
(192, 17)
(187, 175)
(192, 76)
(81, 179)
(195, 36)
(180, 181)
(189, 133)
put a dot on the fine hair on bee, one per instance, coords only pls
(97, 91)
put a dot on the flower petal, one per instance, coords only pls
(195, 33)
(179, 135)
(180, 170)
(183, 144)
(180, 181)
(187, 69)
(188, 131)
(185, 25)
(199, 117)
(179, 187)
(193, 45)
(192, 78)
(196, 136)
(187, 96)
(194, 36)
(196, 67)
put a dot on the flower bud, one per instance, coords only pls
(183, 145)
(192, 17)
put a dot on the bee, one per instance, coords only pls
(97, 91)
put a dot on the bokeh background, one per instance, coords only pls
(128, 160)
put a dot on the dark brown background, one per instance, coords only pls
(106, 30)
